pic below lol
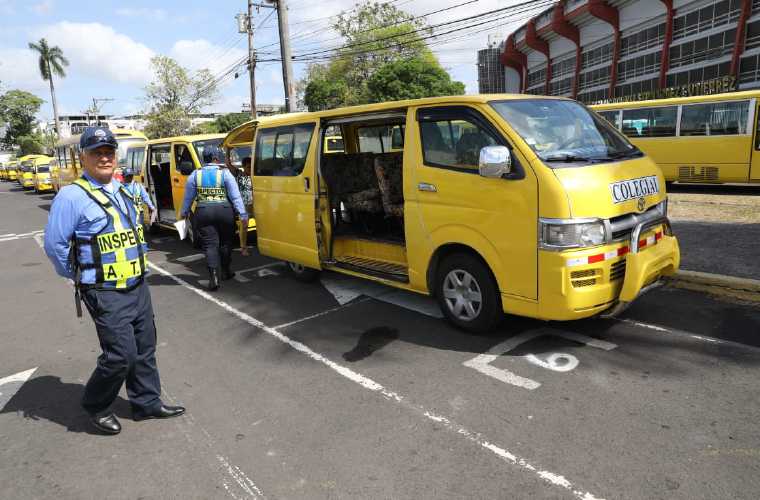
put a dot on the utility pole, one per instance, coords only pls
(96, 104)
(287, 62)
(245, 25)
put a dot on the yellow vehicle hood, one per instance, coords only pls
(590, 189)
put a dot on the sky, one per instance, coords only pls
(109, 45)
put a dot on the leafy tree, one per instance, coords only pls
(375, 34)
(17, 109)
(51, 63)
(222, 124)
(411, 79)
(30, 144)
(174, 95)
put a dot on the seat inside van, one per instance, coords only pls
(365, 192)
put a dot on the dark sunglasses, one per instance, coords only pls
(97, 141)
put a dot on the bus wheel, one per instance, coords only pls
(303, 273)
(467, 293)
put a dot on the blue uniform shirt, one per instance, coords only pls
(73, 210)
(134, 188)
(233, 193)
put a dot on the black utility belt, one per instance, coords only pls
(99, 286)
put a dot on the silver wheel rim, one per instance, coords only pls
(297, 268)
(462, 294)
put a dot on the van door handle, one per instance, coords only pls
(424, 186)
(176, 181)
(306, 184)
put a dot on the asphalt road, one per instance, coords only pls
(341, 390)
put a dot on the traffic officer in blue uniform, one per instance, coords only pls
(93, 237)
(217, 198)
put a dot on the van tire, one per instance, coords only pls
(475, 280)
(302, 273)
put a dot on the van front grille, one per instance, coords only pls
(697, 174)
(584, 278)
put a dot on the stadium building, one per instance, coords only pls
(607, 50)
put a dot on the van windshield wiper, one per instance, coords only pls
(617, 155)
(566, 157)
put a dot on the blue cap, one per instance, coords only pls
(212, 152)
(95, 137)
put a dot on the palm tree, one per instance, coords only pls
(51, 63)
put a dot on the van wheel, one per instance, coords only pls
(193, 236)
(467, 294)
(303, 273)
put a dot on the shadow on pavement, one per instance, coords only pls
(48, 398)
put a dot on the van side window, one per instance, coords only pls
(454, 143)
(381, 139)
(611, 116)
(182, 158)
(719, 118)
(650, 122)
(282, 151)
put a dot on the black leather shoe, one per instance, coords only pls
(213, 279)
(107, 424)
(162, 411)
(227, 274)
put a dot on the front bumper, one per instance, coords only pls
(44, 186)
(582, 283)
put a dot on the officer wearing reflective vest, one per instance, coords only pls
(215, 193)
(93, 237)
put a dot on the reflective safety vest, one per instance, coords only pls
(117, 252)
(209, 186)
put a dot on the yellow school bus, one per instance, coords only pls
(66, 153)
(168, 163)
(705, 139)
(455, 214)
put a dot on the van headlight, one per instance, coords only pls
(560, 234)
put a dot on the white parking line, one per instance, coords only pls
(474, 437)
(683, 333)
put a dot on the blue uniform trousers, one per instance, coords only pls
(216, 226)
(127, 335)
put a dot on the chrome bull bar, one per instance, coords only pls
(621, 305)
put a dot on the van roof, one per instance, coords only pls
(238, 135)
(187, 138)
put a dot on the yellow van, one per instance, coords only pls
(168, 162)
(42, 179)
(3, 173)
(26, 169)
(11, 171)
(497, 203)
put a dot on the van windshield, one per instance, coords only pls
(215, 144)
(43, 168)
(565, 132)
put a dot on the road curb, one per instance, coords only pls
(718, 284)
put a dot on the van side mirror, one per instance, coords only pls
(495, 162)
(186, 167)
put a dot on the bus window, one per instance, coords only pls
(611, 116)
(719, 118)
(650, 122)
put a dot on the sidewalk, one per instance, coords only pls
(718, 229)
